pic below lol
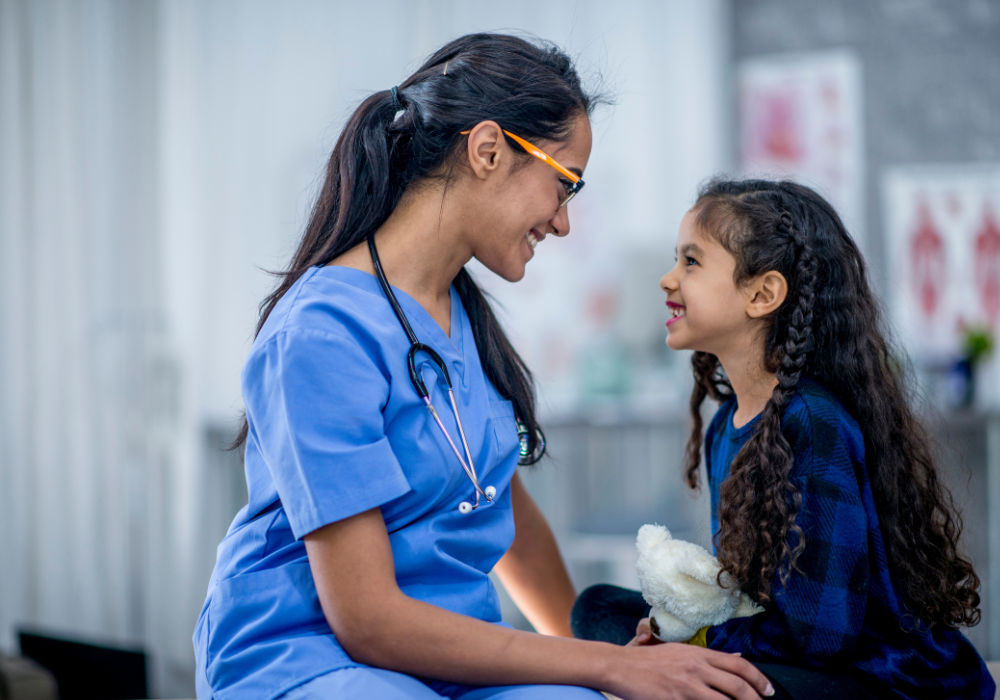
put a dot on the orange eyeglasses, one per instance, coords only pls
(572, 182)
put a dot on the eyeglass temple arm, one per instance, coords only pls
(542, 155)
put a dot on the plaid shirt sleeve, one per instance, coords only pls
(816, 618)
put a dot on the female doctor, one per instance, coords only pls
(383, 404)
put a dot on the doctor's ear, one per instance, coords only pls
(765, 293)
(486, 148)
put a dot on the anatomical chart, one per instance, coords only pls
(801, 117)
(942, 226)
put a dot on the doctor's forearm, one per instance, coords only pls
(379, 625)
(427, 641)
(417, 638)
(532, 571)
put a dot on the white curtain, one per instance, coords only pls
(88, 380)
(154, 156)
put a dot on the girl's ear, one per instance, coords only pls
(765, 294)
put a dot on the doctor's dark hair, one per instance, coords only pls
(830, 328)
(394, 140)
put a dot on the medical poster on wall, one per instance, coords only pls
(942, 227)
(801, 117)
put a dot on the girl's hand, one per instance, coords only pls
(643, 635)
(684, 672)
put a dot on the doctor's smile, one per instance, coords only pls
(534, 238)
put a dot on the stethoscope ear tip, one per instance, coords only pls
(464, 507)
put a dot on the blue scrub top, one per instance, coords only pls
(336, 428)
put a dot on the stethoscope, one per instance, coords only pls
(468, 466)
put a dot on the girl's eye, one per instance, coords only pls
(690, 261)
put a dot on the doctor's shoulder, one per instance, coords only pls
(325, 315)
(323, 302)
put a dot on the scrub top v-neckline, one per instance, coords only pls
(428, 325)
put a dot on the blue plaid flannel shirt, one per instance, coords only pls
(841, 611)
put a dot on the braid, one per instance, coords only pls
(762, 468)
(796, 350)
(799, 341)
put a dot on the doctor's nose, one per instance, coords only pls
(560, 222)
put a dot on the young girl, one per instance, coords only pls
(826, 504)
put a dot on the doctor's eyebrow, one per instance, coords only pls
(577, 172)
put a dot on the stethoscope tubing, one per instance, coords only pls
(468, 465)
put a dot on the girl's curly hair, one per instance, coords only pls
(831, 329)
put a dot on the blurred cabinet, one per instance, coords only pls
(23, 679)
(606, 477)
(969, 449)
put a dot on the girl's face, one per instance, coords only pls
(708, 309)
(521, 208)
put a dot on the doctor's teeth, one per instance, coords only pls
(532, 241)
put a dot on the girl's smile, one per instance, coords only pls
(676, 311)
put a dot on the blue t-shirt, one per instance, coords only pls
(841, 610)
(336, 428)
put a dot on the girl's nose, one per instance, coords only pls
(668, 282)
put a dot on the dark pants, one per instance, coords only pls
(606, 613)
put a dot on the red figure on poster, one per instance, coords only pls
(780, 128)
(928, 261)
(988, 265)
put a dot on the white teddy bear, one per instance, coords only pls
(679, 579)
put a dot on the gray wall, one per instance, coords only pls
(931, 74)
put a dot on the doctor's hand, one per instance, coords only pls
(685, 672)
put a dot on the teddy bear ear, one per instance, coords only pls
(650, 536)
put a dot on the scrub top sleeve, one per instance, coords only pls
(314, 404)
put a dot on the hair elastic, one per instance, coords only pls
(446, 67)
(395, 98)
